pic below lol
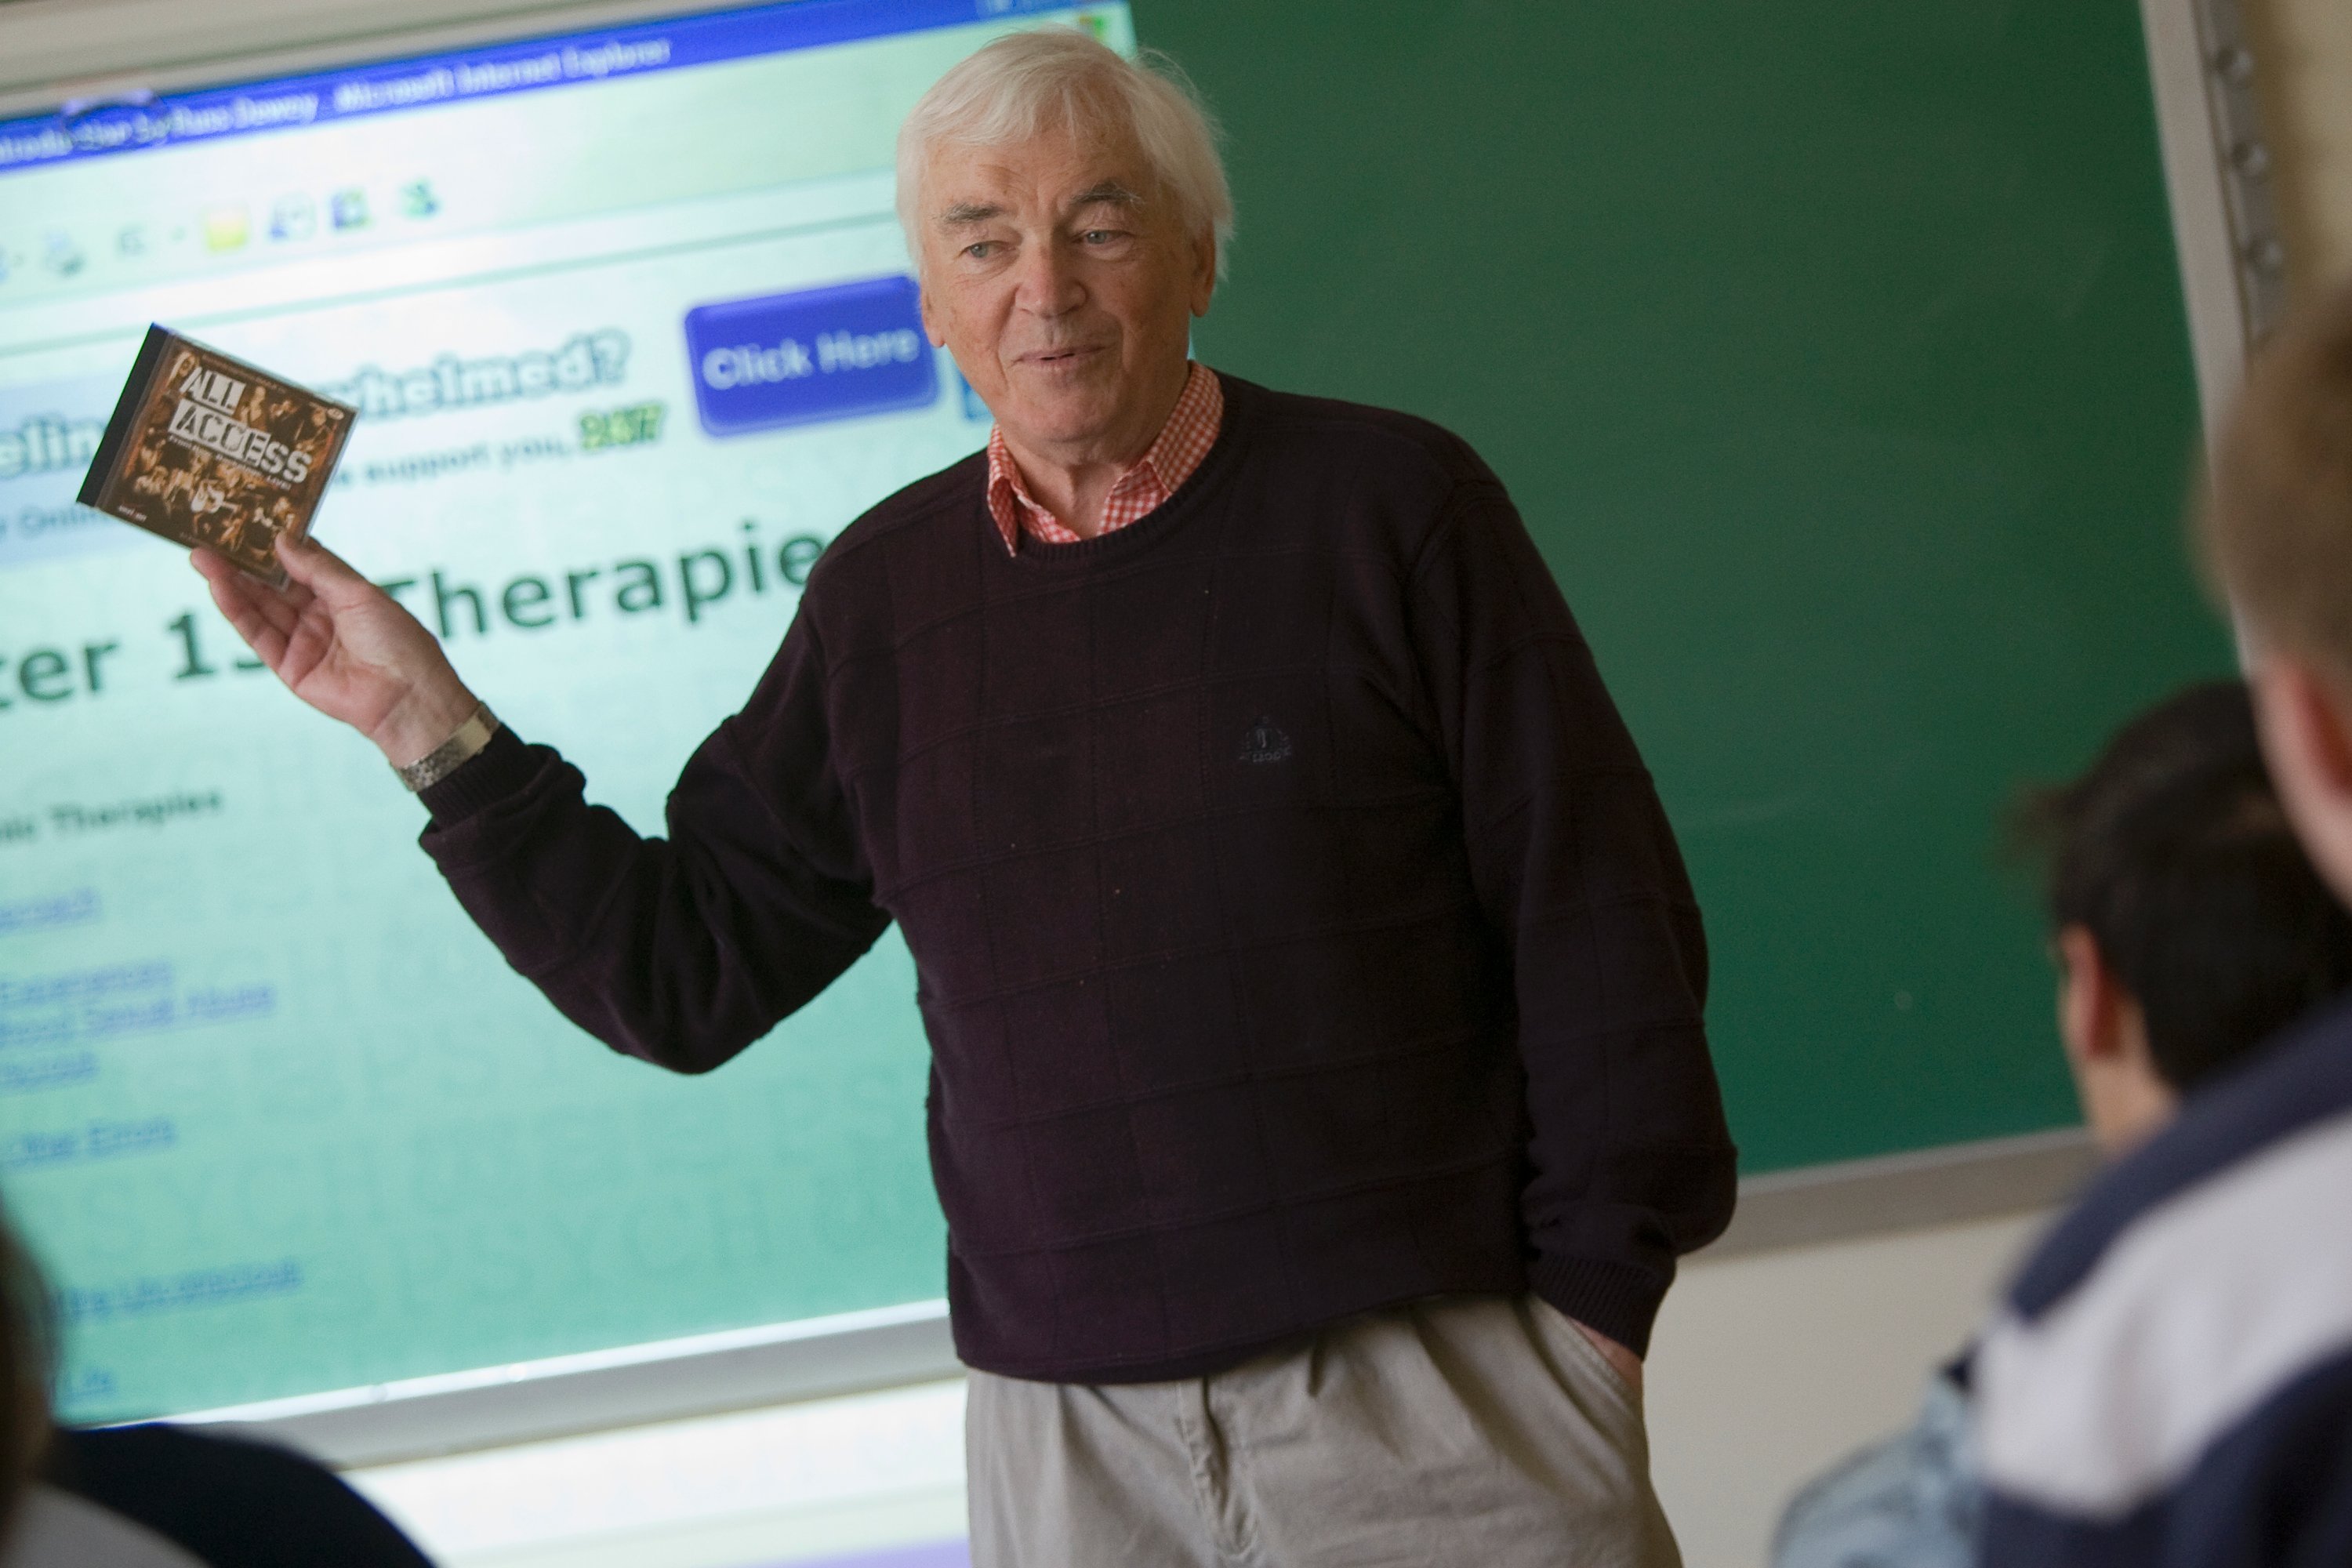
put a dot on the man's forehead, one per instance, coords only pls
(1048, 172)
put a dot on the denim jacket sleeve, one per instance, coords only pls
(1913, 1499)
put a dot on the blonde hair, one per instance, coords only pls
(2276, 529)
(1028, 82)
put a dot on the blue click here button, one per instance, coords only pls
(827, 353)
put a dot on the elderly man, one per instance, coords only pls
(1319, 1099)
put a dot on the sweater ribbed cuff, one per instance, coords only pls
(1619, 1299)
(500, 769)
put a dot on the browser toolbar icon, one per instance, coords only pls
(225, 228)
(292, 218)
(62, 256)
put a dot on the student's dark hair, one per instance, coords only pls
(27, 1361)
(2174, 853)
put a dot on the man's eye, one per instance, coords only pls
(980, 249)
(1099, 236)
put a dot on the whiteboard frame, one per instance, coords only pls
(560, 1396)
(2218, 335)
(53, 52)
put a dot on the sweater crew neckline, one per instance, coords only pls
(1163, 521)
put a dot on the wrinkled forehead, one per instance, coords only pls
(1044, 175)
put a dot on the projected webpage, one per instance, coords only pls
(629, 319)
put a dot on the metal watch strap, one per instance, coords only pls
(452, 753)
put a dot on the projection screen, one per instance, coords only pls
(629, 319)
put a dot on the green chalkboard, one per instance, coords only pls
(1836, 356)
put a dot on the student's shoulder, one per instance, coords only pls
(55, 1529)
(230, 1500)
(2291, 1101)
(2186, 1331)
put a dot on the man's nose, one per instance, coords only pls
(1049, 284)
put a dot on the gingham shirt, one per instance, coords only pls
(1183, 441)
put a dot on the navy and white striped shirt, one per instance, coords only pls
(2170, 1380)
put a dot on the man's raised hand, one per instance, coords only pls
(342, 645)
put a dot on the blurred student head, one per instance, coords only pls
(153, 1494)
(2189, 924)
(26, 1364)
(2277, 537)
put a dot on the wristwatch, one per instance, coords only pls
(453, 753)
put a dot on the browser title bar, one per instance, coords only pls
(423, 81)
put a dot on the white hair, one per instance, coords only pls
(1024, 83)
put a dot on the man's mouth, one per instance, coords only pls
(1066, 354)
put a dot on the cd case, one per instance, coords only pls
(209, 451)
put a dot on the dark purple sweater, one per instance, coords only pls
(1297, 929)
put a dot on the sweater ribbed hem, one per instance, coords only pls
(1619, 1299)
(498, 770)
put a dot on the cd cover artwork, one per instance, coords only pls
(209, 451)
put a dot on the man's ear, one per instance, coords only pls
(2306, 731)
(931, 317)
(1205, 270)
(2090, 1001)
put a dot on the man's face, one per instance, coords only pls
(1059, 275)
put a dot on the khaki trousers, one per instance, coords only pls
(1480, 1431)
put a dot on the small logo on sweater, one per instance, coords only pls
(1265, 742)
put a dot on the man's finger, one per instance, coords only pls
(319, 569)
(256, 612)
(282, 608)
(250, 622)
